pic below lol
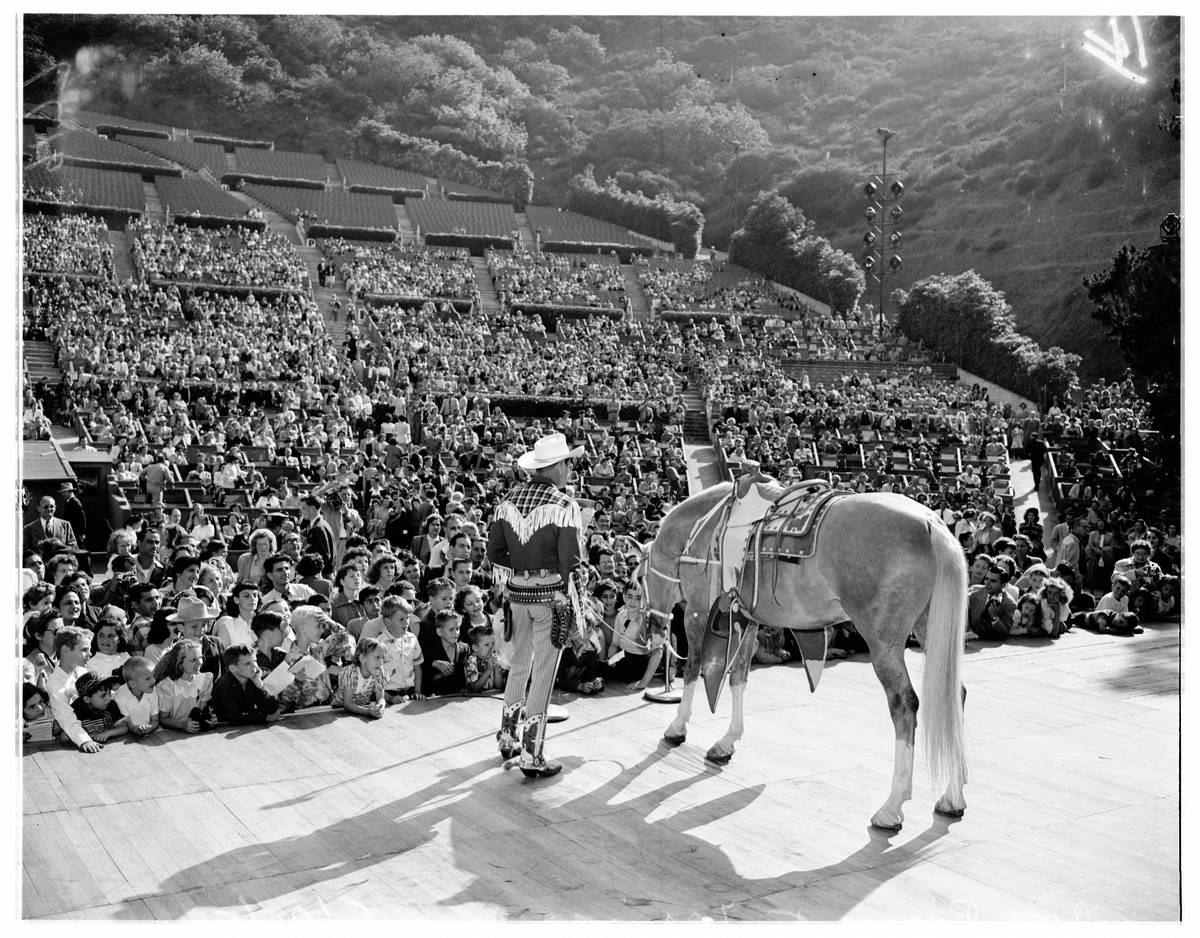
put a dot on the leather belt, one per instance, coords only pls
(531, 595)
(535, 573)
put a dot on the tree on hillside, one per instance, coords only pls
(773, 219)
(965, 318)
(1138, 299)
(844, 280)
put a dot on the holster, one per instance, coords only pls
(560, 629)
(508, 621)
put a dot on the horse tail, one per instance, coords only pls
(941, 689)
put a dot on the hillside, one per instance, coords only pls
(1024, 158)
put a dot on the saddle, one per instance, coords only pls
(766, 521)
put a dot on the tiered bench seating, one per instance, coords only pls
(107, 124)
(462, 192)
(400, 184)
(463, 224)
(570, 231)
(331, 213)
(191, 198)
(81, 148)
(281, 167)
(195, 156)
(100, 188)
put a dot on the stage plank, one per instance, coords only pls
(1073, 807)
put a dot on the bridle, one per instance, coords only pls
(645, 565)
(641, 572)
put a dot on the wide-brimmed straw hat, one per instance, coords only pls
(547, 451)
(191, 609)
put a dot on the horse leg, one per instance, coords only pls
(722, 750)
(902, 702)
(953, 803)
(676, 732)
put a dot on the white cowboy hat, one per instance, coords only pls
(193, 609)
(547, 451)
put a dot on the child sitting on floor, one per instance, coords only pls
(481, 670)
(183, 689)
(1028, 618)
(769, 648)
(95, 709)
(33, 706)
(402, 655)
(108, 648)
(238, 695)
(136, 698)
(362, 683)
(72, 648)
(445, 656)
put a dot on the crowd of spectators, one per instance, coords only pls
(337, 495)
(402, 271)
(594, 360)
(704, 287)
(228, 255)
(67, 244)
(948, 446)
(556, 279)
(37, 191)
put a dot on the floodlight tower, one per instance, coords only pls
(882, 234)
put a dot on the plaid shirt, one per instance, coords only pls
(537, 527)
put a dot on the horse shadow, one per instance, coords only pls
(662, 862)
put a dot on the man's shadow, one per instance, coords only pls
(660, 860)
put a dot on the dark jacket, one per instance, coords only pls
(239, 704)
(432, 681)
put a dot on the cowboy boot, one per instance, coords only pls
(532, 763)
(510, 730)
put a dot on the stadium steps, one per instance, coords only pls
(408, 233)
(333, 177)
(325, 295)
(122, 260)
(637, 299)
(433, 188)
(154, 206)
(231, 162)
(489, 299)
(276, 221)
(527, 235)
(39, 363)
(702, 471)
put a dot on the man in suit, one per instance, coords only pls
(317, 531)
(72, 510)
(47, 527)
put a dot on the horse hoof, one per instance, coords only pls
(672, 740)
(948, 812)
(891, 828)
(717, 758)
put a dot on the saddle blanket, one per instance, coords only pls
(789, 531)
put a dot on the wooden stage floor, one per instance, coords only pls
(1073, 808)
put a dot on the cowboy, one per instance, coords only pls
(536, 542)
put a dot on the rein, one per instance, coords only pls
(645, 565)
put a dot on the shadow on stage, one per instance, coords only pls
(639, 870)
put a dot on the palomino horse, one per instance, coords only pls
(883, 562)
